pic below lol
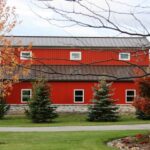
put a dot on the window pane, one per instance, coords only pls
(130, 93)
(78, 99)
(79, 93)
(26, 92)
(124, 56)
(130, 99)
(26, 98)
(26, 54)
(76, 55)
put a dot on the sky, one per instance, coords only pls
(30, 15)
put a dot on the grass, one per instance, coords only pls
(60, 140)
(68, 120)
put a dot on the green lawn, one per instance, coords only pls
(60, 140)
(68, 120)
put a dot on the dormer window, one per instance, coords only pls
(124, 56)
(25, 55)
(75, 56)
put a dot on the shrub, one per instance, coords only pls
(142, 106)
(142, 101)
(144, 87)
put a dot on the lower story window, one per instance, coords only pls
(130, 95)
(25, 95)
(78, 95)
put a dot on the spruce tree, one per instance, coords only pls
(40, 105)
(103, 107)
(4, 107)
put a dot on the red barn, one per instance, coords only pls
(72, 65)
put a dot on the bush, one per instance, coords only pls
(4, 107)
(142, 101)
(103, 108)
(40, 106)
(144, 87)
(142, 106)
(142, 115)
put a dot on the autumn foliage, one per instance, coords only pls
(144, 87)
(143, 104)
(10, 67)
(142, 101)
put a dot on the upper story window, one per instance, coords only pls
(25, 55)
(78, 95)
(130, 95)
(26, 94)
(75, 56)
(124, 56)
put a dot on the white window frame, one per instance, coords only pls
(22, 94)
(80, 55)
(75, 95)
(129, 56)
(27, 58)
(128, 96)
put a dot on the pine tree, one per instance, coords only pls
(40, 105)
(4, 107)
(103, 108)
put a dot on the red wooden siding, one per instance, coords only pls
(62, 57)
(62, 92)
(15, 96)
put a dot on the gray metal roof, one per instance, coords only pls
(80, 73)
(105, 42)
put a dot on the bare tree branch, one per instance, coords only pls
(102, 21)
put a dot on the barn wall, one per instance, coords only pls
(61, 56)
(62, 92)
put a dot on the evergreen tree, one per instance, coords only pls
(4, 107)
(103, 108)
(40, 105)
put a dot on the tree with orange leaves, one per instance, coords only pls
(10, 67)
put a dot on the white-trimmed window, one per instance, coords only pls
(124, 56)
(75, 56)
(78, 96)
(130, 95)
(25, 55)
(26, 94)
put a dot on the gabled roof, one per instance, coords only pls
(95, 42)
(81, 73)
